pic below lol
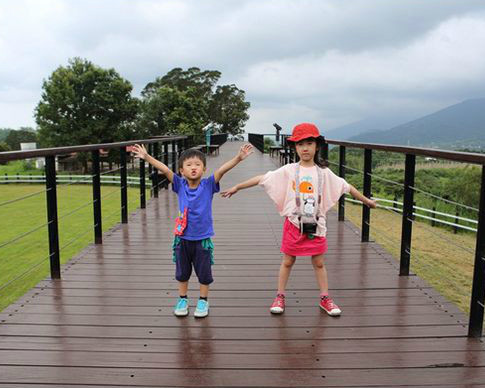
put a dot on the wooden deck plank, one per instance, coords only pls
(109, 321)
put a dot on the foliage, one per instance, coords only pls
(4, 133)
(23, 135)
(4, 146)
(228, 108)
(184, 101)
(84, 103)
(268, 142)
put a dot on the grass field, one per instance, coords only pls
(445, 260)
(31, 251)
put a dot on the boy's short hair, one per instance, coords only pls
(191, 153)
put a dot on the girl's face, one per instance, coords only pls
(306, 149)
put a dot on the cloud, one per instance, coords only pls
(329, 61)
(445, 65)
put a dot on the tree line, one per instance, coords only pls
(83, 103)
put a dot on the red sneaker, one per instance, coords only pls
(326, 303)
(278, 306)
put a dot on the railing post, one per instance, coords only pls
(51, 196)
(124, 187)
(150, 168)
(367, 193)
(98, 230)
(143, 200)
(407, 213)
(174, 156)
(165, 161)
(341, 171)
(155, 175)
(325, 151)
(478, 287)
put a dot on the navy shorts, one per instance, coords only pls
(190, 254)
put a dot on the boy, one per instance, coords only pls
(193, 230)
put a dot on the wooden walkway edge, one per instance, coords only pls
(109, 321)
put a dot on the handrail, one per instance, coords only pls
(16, 155)
(466, 157)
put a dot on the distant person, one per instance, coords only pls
(192, 245)
(303, 193)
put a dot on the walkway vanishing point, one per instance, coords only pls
(109, 321)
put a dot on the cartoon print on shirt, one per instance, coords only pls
(306, 192)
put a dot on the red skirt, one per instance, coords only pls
(296, 244)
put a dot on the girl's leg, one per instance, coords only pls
(320, 273)
(285, 270)
(326, 303)
(278, 306)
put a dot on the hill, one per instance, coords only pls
(457, 126)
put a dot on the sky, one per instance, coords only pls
(330, 62)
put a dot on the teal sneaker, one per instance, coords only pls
(202, 309)
(181, 309)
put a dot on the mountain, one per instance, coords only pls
(371, 124)
(457, 126)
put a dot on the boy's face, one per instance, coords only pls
(192, 168)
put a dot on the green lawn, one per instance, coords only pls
(32, 250)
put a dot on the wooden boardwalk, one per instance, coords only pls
(109, 321)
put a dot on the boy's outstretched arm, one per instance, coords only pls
(141, 152)
(243, 185)
(244, 152)
(359, 196)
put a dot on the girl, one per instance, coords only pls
(303, 193)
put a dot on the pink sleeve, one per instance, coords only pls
(333, 188)
(275, 183)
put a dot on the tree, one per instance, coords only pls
(22, 135)
(184, 101)
(4, 133)
(84, 103)
(171, 111)
(201, 82)
(228, 108)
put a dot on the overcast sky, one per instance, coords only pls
(329, 62)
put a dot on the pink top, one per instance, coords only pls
(280, 186)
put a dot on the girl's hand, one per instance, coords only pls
(245, 151)
(229, 193)
(371, 203)
(140, 151)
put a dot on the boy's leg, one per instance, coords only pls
(183, 270)
(278, 305)
(203, 270)
(326, 303)
(204, 291)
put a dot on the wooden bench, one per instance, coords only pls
(213, 148)
(274, 150)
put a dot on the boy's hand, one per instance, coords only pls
(245, 151)
(140, 151)
(371, 203)
(229, 193)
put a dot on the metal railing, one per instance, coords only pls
(96, 178)
(408, 214)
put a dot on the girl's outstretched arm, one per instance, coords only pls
(359, 196)
(243, 185)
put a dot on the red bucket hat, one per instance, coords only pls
(305, 131)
